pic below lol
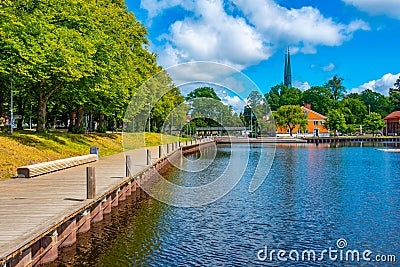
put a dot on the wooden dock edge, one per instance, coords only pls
(42, 246)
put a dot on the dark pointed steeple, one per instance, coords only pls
(287, 79)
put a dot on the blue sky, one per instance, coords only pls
(357, 39)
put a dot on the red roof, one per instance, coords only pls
(393, 116)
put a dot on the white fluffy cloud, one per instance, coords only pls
(213, 35)
(390, 8)
(305, 26)
(301, 85)
(329, 67)
(235, 102)
(381, 85)
(155, 7)
(209, 33)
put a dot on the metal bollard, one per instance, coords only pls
(90, 183)
(128, 166)
(148, 157)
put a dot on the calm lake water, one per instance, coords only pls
(312, 197)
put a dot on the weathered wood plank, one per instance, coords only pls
(29, 206)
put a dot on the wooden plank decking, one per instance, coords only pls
(28, 207)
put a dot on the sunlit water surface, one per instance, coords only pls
(313, 196)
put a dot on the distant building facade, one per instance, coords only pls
(392, 123)
(315, 126)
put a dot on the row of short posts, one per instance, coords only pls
(66, 233)
(91, 176)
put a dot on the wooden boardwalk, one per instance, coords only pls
(28, 207)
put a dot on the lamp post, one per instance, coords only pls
(188, 119)
(149, 117)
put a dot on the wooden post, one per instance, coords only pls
(159, 151)
(128, 166)
(90, 183)
(173, 146)
(148, 157)
(167, 148)
(186, 143)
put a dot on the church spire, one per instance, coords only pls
(288, 70)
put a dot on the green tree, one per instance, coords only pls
(90, 58)
(257, 110)
(376, 102)
(320, 99)
(273, 96)
(290, 96)
(335, 122)
(164, 107)
(281, 95)
(206, 92)
(335, 86)
(289, 117)
(373, 122)
(353, 109)
(394, 94)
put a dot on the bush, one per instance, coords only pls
(101, 129)
(78, 130)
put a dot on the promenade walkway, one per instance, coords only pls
(28, 207)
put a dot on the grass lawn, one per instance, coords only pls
(22, 149)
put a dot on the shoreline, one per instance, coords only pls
(40, 244)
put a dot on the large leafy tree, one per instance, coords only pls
(165, 106)
(320, 99)
(373, 122)
(336, 122)
(281, 95)
(353, 109)
(290, 96)
(394, 94)
(208, 110)
(290, 116)
(45, 48)
(86, 59)
(273, 96)
(376, 102)
(206, 92)
(335, 86)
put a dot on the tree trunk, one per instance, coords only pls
(41, 110)
(290, 131)
(2, 100)
(101, 120)
(42, 105)
(20, 110)
(79, 116)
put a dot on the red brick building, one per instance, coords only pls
(393, 123)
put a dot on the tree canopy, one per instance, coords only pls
(335, 122)
(67, 61)
(206, 92)
(290, 116)
(331, 96)
(373, 122)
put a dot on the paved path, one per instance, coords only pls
(29, 206)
